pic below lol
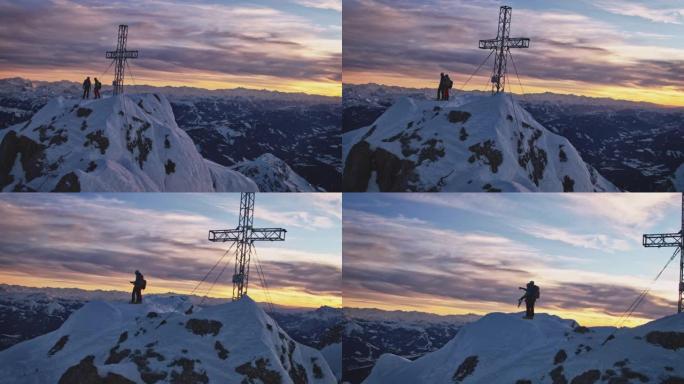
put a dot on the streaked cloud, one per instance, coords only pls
(575, 47)
(89, 242)
(431, 252)
(200, 43)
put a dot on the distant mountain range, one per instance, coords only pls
(635, 146)
(371, 333)
(230, 128)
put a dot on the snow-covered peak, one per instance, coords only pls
(165, 340)
(123, 143)
(472, 143)
(505, 348)
(272, 174)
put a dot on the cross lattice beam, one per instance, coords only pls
(244, 237)
(671, 240)
(120, 56)
(502, 46)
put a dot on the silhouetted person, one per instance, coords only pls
(447, 86)
(531, 295)
(138, 285)
(86, 88)
(440, 89)
(97, 88)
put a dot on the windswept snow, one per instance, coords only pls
(505, 348)
(472, 143)
(163, 341)
(273, 175)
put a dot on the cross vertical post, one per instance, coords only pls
(501, 47)
(244, 237)
(671, 240)
(120, 56)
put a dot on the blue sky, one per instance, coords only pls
(460, 253)
(95, 241)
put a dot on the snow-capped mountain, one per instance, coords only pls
(227, 127)
(505, 348)
(636, 146)
(125, 143)
(370, 333)
(165, 341)
(472, 143)
(273, 175)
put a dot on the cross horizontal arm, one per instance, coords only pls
(255, 234)
(513, 42)
(662, 240)
(124, 54)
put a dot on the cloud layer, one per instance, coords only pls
(406, 42)
(201, 42)
(390, 259)
(86, 242)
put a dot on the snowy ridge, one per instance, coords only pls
(504, 348)
(272, 174)
(472, 143)
(124, 143)
(163, 341)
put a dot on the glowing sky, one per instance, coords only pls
(92, 241)
(284, 45)
(468, 253)
(624, 49)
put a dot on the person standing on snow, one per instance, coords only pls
(440, 88)
(447, 86)
(531, 295)
(97, 88)
(86, 88)
(138, 285)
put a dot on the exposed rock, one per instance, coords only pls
(560, 357)
(204, 327)
(458, 116)
(58, 345)
(259, 371)
(68, 183)
(588, 377)
(486, 150)
(667, 340)
(86, 372)
(466, 369)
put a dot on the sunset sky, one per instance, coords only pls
(284, 45)
(623, 49)
(469, 253)
(93, 241)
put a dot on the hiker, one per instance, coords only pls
(97, 88)
(86, 88)
(138, 285)
(448, 84)
(531, 295)
(440, 89)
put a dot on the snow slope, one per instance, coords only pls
(505, 348)
(161, 341)
(124, 143)
(272, 174)
(472, 143)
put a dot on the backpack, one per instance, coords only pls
(449, 84)
(143, 285)
(535, 291)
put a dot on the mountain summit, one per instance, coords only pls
(472, 143)
(124, 143)
(156, 342)
(505, 348)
